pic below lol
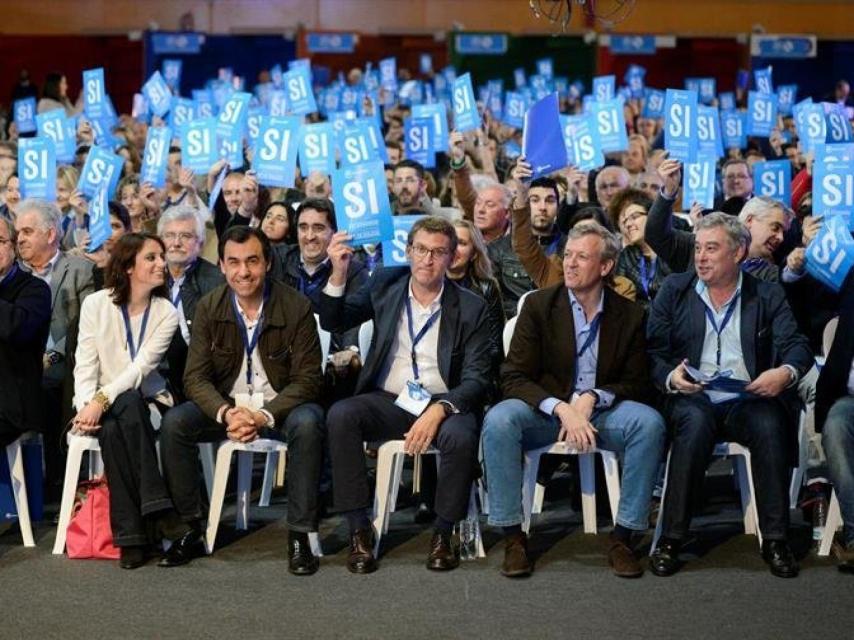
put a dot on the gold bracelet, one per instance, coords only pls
(101, 398)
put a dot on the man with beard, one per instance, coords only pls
(408, 187)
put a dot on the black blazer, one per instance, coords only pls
(24, 326)
(465, 348)
(833, 379)
(541, 360)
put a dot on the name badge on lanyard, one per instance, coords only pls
(252, 399)
(133, 347)
(719, 330)
(414, 398)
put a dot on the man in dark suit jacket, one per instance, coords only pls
(576, 372)
(834, 419)
(723, 319)
(189, 278)
(253, 372)
(425, 379)
(24, 325)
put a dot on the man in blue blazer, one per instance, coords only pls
(718, 319)
(425, 379)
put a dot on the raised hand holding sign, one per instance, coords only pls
(362, 207)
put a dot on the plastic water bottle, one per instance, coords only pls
(469, 530)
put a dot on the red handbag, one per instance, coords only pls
(89, 532)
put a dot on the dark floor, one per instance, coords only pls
(244, 590)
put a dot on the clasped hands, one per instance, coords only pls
(576, 430)
(242, 424)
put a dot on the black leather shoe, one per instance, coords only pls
(301, 561)
(664, 561)
(444, 555)
(780, 559)
(517, 563)
(132, 557)
(361, 558)
(183, 550)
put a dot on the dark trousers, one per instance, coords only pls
(185, 426)
(696, 425)
(374, 417)
(137, 489)
(56, 415)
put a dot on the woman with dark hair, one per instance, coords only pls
(276, 223)
(637, 261)
(55, 95)
(125, 330)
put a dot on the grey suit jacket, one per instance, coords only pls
(70, 282)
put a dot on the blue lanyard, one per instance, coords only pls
(371, 261)
(719, 330)
(591, 335)
(552, 248)
(249, 344)
(9, 275)
(132, 346)
(417, 338)
(647, 278)
(177, 299)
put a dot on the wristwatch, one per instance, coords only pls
(449, 408)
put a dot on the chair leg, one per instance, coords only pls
(244, 487)
(798, 472)
(385, 476)
(659, 523)
(539, 497)
(206, 456)
(96, 464)
(271, 466)
(748, 497)
(222, 468)
(15, 456)
(612, 480)
(280, 470)
(69, 488)
(417, 464)
(473, 512)
(588, 491)
(529, 483)
(399, 461)
(834, 521)
(314, 542)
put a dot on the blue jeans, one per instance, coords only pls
(634, 431)
(838, 440)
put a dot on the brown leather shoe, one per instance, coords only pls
(361, 558)
(443, 555)
(516, 561)
(623, 561)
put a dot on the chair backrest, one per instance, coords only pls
(522, 300)
(325, 341)
(829, 334)
(366, 333)
(508, 332)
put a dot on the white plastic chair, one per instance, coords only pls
(803, 455)
(744, 476)
(77, 446)
(390, 458)
(522, 301)
(244, 452)
(532, 492)
(833, 523)
(15, 457)
(366, 334)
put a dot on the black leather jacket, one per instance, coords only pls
(512, 278)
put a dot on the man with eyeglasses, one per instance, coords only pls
(424, 380)
(24, 325)
(737, 179)
(189, 279)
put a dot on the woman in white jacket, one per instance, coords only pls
(125, 330)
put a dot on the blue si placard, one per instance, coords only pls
(182, 112)
(733, 128)
(155, 157)
(786, 96)
(439, 112)
(653, 106)
(231, 127)
(833, 181)
(356, 146)
(99, 220)
(581, 138)
(101, 168)
(466, 116)
(709, 138)
(394, 250)
(811, 124)
(773, 179)
(362, 207)
(611, 122)
(171, 71)
(761, 113)
(542, 136)
(763, 79)
(156, 91)
(727, 101)
(634, 80)
(698, 182)
(299, 92)
(838, 125)
(275, 157)
(545, 68)
(830, 255)
(53, 125)
(680, 118)
(37, 168)
(25, 115)
(94, 93)
(418, 137)
(317, 148)
(604, 88)
(388, 74)
(514, 110)
(253, 123)
(199, 150)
